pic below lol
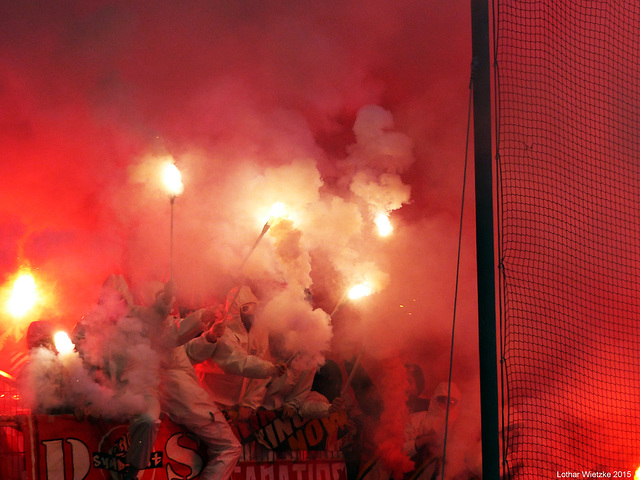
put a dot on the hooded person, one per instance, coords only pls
(40, 334)
(424, 435)
(292, 392)
(40, 379)
(185, 401)
(118, 341)
(288, 392)
(234, 372)
(324, 398)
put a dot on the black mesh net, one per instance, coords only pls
(567, 84)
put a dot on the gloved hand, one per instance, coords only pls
(278, 369)
(207, 318)
(215, 332)
(165, 296)
(288, 411)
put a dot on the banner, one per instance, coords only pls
(59, 447)
(276, 433)
(298, 470)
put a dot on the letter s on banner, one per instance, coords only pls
(184, 456)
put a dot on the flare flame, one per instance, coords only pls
(63, 343)
(384, 225)
(172, 180)
(24, 295)
(359, 291)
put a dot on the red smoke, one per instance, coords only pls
(336, 109)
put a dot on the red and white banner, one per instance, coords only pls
(61, 448)
(283, 434)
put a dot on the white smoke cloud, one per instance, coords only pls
(378, 147)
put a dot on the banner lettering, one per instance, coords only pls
(63, 448)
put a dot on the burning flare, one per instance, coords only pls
(173, 180)
(637, 475)
(384, 224)
(278, 210)
(359, 291)
(63, 343)
(355, 292)
(23, 296)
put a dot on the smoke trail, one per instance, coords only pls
(389, 434)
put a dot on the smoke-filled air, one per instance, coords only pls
(320, 146)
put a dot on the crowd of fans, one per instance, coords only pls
(209, 368)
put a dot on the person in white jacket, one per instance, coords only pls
(185, 401)
(40, 380)
(291, 393)
(288, 392)
(177, 391)
(117, 340)
(426, 428)
(424, 435)
(236, 372)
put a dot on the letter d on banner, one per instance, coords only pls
(54, 457)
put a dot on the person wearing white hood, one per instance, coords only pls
(234, 372)
(40, 380)
(172, 385)
(116, 340)
(185, 401)
(425, 432)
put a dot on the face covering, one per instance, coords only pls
(247, 320)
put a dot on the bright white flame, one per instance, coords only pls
(23, 296)
(359, 291)
(637, 475)
(63, 343)
(173, 180)
(278, 210)
(384, 225)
